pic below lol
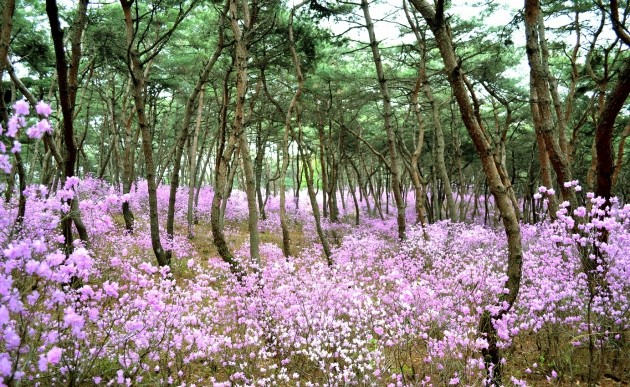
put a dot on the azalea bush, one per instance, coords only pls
(386, 313)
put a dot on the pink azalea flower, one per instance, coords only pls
(54, 355)
(21, 108)
(43, 109)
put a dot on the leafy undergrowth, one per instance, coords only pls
(386, 313)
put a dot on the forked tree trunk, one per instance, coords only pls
(414, 168)
(534, 29)
(67, 77)
(183, 134)
(435, 18)
(216, 222)
(541, 98)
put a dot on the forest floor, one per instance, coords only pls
(385, 313)
(525, 350)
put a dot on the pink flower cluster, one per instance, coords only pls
(385, 313)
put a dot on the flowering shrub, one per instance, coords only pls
(386, 313)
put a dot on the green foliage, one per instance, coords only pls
(30, 40)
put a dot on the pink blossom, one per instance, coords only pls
(17, 147)
(4, 315)
(37, 130)
(71, 182)
(15, 123)
(5, 365)
(42, 363)
(21, 108)
(5, 164)
(43, 109)
(54, 355)
(111, 288)
(73, 320)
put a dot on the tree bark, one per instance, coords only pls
(387, 117)
(67, 77)
(541, 100)
(286, 240)
(308, 172)
(5, 33)
(241, 37)
(439, 26)
(605, 166)
(183, 134)
(192, 159)
(138, 79)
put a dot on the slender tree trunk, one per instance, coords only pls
(5, 33)
(435, 18)
(353, 192)
(193, 169)
(620, 154)
(261, 141)
(216, 219)
(541, 100)
(323, 161)
(139, 95)
(387, 117)
(67, 77)
(5, 38)
(308, 171)
(242, 55)
(129, 162)
(183, 133)
(439, 149)
(286, 240)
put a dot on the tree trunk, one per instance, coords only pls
(286, 240)
(605, 167)
(308, 171)
(193, 169)
(353, 193)
(129, 157)
(387, 117)
(183, 134)
(540, 99)
(67, 77)
(261, 141)
(242, 55)
(620, 154)
(439, 149)
(435, 18)
(138, 79)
